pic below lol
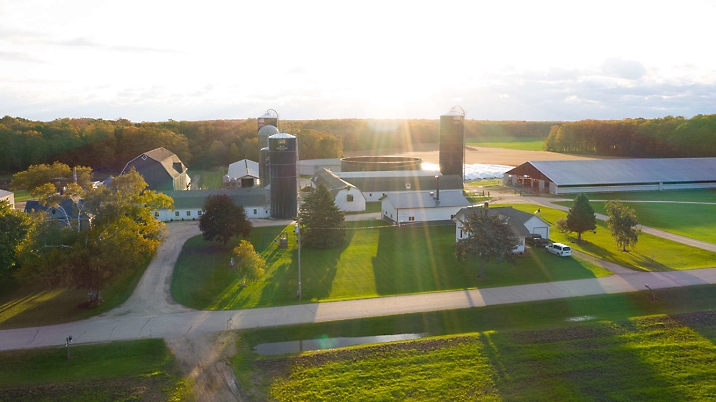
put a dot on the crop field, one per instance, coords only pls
(518, 143)
(375, 261)
(538, 350)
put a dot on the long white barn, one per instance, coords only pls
(611, 175)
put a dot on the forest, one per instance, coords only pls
(107, 145)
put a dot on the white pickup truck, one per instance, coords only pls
(559, 249)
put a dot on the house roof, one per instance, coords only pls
(624, 171)
(194, 199)
(168, 159)
(331, 181)
(515, 218)
(243, 168)
(424, 199)
(67, 205)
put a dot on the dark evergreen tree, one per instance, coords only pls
(581, 216)
(488, 237)
(322, 223)
(222, 219)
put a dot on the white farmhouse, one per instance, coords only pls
(522, 223)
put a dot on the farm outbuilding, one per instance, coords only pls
(610, 175)
(189, 205)
(421, 206)
(161, 169)
(346, 196)
(242, 174)
(9, 197)
(376, 184)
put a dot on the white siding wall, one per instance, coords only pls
(426, 214)
(166, 215)
(358, 203)
(376, 196)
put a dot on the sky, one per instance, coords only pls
(154, 60)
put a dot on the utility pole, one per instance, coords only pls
(298, 233)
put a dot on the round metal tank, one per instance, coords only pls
(264, 133)
(452, 142)
(264, 168)
(283, 155)
(380, 163)
(270, 118)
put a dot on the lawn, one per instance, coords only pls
(696, 221)
(375, 261)
(134, 370)
(370, 207)
(706, 195)
(209, 179)
(512, 353)
(519, 143)
(667, 255)
(29, 306)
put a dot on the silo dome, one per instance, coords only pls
(264, 133)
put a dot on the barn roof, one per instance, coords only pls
(422, 199)
(168, 159)
(243, 168)
(330, 180)
(624, 171)
(248, 197)
(387, 181)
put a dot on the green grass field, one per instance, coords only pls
(209, 179)
(533, 351)
(28, 307)
(696, 221)
(519, 143)
(668, 255)
(707, 195)
(134, 370)
(375, 261)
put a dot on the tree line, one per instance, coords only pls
(662, 137)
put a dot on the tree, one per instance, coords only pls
(488, 237)
(121, 235)
(250, 264)
(222, 219)
(622, 223)
(581, 216)
(15, 227)
(322, 224)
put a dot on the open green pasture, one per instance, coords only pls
(209, 179)
(512, 353)
(705, 195)
(29, 306)
(519, 143)
(667, 255)
(696, 221)
(375, 261)
(133, 370)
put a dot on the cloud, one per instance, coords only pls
(18, 56)
(625, 69)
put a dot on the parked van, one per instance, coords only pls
(559, 249)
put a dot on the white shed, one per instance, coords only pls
(243, 174)
(347, 197)
(423, 206)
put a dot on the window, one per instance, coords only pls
(200, 213)
(411, 218)
(176, 213)
(407, 186)
(156, 214)
(188, 213)
(255, 211)
(350, 197)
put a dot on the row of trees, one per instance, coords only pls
(663, 137)
(102, 235)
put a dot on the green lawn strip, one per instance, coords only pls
(145, 367)
(22, 195)
(692, 195)
(668, 255)
(612, 355)
(29, 306)
(519, 143)
(377, 260)
(696, 221)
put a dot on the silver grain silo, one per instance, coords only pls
(283, 156)
(270, 118)
(452, 142)
(264, 133)
(264, 168)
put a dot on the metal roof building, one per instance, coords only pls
(610, 175)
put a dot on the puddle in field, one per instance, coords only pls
(279, 348)
(581, 318)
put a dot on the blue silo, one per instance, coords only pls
(283, 155)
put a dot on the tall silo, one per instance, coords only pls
(452, 142)
(270, 118)
(264, 167)
(264, 133)
(283, 155)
